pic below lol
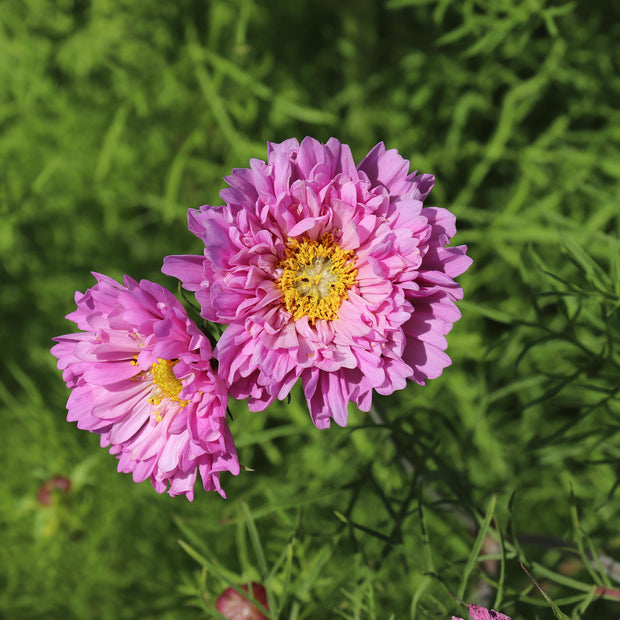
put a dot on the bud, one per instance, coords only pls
(236, 607)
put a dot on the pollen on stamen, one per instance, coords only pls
(166, 386)
(316, 276)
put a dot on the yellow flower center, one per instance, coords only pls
(165, 384)
(316, 277)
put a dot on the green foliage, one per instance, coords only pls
(498, 482)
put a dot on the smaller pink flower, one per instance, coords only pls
(482, 613)
(141, 377)
(237, 607)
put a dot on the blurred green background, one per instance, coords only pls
(116, 116)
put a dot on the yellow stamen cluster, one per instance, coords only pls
(166, 385)
(316, 277)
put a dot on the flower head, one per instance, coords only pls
(325, 271)
(482, 613)
(141, 377)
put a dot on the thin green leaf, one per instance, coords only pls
(472, 560)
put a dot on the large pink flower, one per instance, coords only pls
(141, 377)
(327, 271)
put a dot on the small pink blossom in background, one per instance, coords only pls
(611, 592)
(236, 607)
(482, 613)
(55, 483)
(328, 272)
(141, 377)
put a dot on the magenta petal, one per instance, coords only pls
(482, 613)
(187, 269)
(104, 373)
(301, 227)
(170, 456)
(310, 154)
(427, 361)
(218, 247)
(129, 425)
(442, 220)
(342, 158)
(455, 261)
(325, 399)
(387, 168)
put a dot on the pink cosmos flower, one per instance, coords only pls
(325, 271)
(482, 613)
(141, 377)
